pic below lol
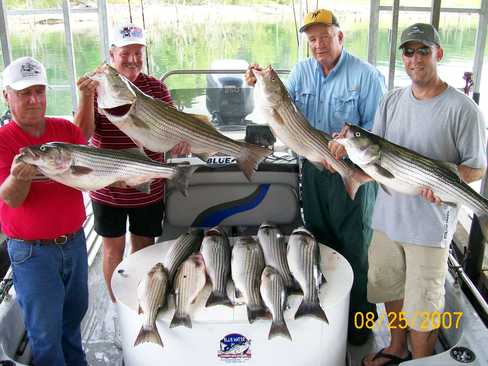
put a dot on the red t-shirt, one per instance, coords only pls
(50, 209)
(108, 136)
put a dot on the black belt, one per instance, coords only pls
(60, 240)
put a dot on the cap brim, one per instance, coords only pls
(304, 28)
(23, 84)
(128, 43)
(427, 43)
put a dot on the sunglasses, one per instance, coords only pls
(422, 51)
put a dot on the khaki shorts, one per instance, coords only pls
(410, 272)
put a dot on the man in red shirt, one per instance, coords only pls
(43, 222)
(113, 205)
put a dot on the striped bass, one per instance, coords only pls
(158, 127)
(406, 171)
(292, 128)
(273, 293)
(216, 254)
(181, 249)
(247, 266)
(274, 249)
(151, 294)
(304, 260)
(189, 281)
(88, 168)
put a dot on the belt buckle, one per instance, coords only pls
(60, 240)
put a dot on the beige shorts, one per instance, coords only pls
(410, 272)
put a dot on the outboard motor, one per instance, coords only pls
(229, 99)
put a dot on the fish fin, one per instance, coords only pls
(181, 319)
(319, 166)
(139, 123)
(352, 185)
(238, 293)
(450, 204)
(143, 187)
(80, 170)
(312, 309)
(203, 157)
(182, 177)
(384, 172)
(203, 118)
(279, 329)
(449, 166)
(385, 188)
(137, 151)
(322, 279)
(255, 312)
(218, 298)
(139, 310)
(250, 157)
(149, 335)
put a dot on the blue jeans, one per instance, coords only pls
(51, 283)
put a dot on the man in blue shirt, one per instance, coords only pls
(331, 88)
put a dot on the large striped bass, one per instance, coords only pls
(151, 294)
(189, 281)
(247, 266)
(216, 254)
(88, 168)
(290, 126)
(273, 292)
(406, 171)
(181, 249)
(304, 260)
(158, 126)
(273, 244)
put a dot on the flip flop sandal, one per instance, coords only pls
(391, 359)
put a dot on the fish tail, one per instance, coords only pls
(250, 157)
(180, 319)
(149, 335)
(182, 177)
(218, 298)
(254, 312)
(279, 328)
(312, 309)
(483, 220)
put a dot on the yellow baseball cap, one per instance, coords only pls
(319, 16)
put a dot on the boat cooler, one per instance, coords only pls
(222, 335)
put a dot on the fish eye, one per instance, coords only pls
(42, 148)
(357, 134)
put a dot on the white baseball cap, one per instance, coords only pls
(126, 34)
(23, 73)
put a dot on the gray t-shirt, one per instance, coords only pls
(448, 127)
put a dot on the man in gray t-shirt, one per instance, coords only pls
(408, 254)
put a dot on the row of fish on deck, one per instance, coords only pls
(158, 127)
(263, 271)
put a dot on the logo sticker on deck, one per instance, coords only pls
(234, 348)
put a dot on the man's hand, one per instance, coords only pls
(22, 171)
(337, 150)
(87, 87)
(181, 148)
(249, 76)
(429, 196)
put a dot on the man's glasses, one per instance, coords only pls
(422, 51)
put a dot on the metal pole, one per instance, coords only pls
(70, 54)
(374, 17)
(393, 43)
(480, 49)
(103, 29)
(435, 13)
(7, 55)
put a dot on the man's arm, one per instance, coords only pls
(85, 117)
(470, 174)
(16, 187)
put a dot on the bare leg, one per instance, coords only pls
(139, 242)
(398, 343)
(113, 252)
(423, 343)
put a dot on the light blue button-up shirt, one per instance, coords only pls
(351, 92)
